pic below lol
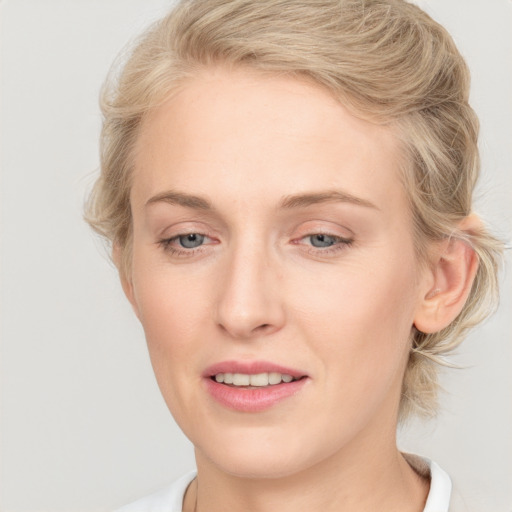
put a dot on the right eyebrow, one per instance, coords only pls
(181, 199)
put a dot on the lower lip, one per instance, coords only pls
(252, 399)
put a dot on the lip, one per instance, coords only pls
(253, 399)
(251, 368)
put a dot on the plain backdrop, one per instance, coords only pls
(83, 426)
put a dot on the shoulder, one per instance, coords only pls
(168, 499)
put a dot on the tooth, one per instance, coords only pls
(241, 379)
(274, 378)
(260, 379)
(286, 378)
(219, 377)
(228, 378)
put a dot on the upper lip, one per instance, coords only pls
(251, 368)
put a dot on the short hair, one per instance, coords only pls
(385, 60)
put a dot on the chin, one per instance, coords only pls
(258, 454)
(259, 465)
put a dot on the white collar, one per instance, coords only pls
(438, 499)
(170, 499)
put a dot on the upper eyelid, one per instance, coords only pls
(300, 230)
(208, 235)
(325, 232)
(162, 221)
(324, 226)
(340, 240)
(177, 230)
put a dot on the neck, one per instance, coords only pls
(381, 481)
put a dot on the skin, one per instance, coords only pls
(258, 288)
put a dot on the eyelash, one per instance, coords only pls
(165, 243)
(340, 243)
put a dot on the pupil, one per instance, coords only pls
(322, 240)
(191, 240)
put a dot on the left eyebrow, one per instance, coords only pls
(304, 200)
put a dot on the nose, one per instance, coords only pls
(249, 300)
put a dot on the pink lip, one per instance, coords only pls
(254, 399)
(251, 368)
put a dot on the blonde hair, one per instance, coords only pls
(386, 60)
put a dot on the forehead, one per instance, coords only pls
(253, 134)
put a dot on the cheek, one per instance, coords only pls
(358, 323)
(168, 302)
(172, 310)
(360, 315)
(171, 321)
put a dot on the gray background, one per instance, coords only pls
(83, 426)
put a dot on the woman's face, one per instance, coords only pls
(272, 237)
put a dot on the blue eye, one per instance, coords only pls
(321, 240)
(191, 240)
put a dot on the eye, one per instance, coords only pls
(323, 244)
(187, 244)
(321, 240)
(190, 240)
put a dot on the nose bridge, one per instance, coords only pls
(249, 302)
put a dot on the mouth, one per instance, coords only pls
(253, 381)
(252, 386)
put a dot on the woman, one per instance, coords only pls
(287, 189)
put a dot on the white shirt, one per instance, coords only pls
(170, 499)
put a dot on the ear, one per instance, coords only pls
(126, 280)
(449, 283)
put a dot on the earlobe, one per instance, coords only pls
(125, 279)
(452, 277)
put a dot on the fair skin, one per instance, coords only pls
(270, 224)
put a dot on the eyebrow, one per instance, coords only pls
(305, 200)
(181, 199)
(288, 202)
